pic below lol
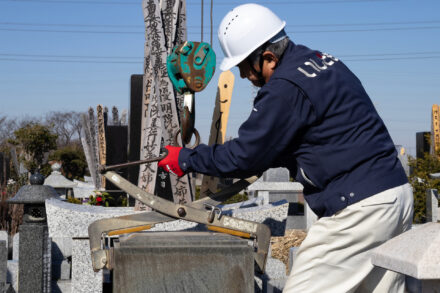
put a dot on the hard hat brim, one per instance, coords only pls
(229, 62)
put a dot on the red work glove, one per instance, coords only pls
(171, 162)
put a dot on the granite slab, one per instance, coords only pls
(414, 253)
(84, 279)
(72, 220)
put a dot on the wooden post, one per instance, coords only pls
(218, 125)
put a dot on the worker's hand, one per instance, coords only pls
(171, 162)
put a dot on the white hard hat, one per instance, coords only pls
(244, 29)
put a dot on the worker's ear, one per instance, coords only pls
(271, 59)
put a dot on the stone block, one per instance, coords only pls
(72, 220)
(15, 246)
(274, 215)
(34, 258)
(294, 187)
(3, 261)
(83, 191)
(298, 222)
(61, 270)
(12, 274)
(265, 195)
(432, 205)
(276, 175)
(275, 269)
(61, 248)
(201, 262)
(84, 279)
(414, 253)
(4, 237)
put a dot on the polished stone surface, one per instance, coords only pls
(415, 253)
(72, 220)
(34, 259)
(84, 279)
(183, 262)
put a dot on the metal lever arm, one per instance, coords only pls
(104, 168)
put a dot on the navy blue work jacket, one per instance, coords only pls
(314, 118)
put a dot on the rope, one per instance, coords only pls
(212, 4)
(201, 25)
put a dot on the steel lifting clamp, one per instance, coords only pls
(165, 211)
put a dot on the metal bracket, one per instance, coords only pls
(212, 212)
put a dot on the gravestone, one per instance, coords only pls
(300, 215)
(34, 259)
(201, 262)
(4, 237)
(422, 144)
(15, 246)
(4, 169)
(3, 264)
(432, 209)
(276, 175)
(116, 137)
(134, 127)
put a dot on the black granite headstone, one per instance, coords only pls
(422, 144)
(4, 169)
(116, 148)
(134, 129)
(2, 175)
(134, 125)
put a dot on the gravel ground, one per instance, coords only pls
(280, 245)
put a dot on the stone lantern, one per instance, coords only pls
(33, 198)
(34, 263)
(61, 184)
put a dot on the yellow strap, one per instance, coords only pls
(229, 231)
(129, 230)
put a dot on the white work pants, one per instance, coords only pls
(335, 256)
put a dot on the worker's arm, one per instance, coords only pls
(280, 113)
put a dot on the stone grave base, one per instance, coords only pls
(183, 262)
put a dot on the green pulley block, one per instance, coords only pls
(191, 66)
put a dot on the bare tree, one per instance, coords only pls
(67, 125)
(7, 128)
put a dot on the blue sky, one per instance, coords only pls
(60, 55)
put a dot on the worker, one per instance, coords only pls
(312, 116)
